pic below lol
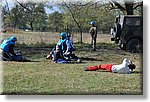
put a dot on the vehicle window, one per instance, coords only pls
(133, 21)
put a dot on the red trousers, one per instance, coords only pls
(107, 67)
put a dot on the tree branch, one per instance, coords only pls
(23, 6)
(7, 7)
(79, 26)
(72, 15)
(118, 5)
(138, 5)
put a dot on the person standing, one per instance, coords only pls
(93, 33)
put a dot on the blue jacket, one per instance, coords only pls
(6, 44)
(64, 45)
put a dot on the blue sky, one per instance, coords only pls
(10, 3)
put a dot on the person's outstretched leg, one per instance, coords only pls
(92, 68)
(56, 56)
(107, 67)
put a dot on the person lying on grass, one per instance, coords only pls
(63, 51)
(7, 50)
(126, 67)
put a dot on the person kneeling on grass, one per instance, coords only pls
(63, 51)
(125, 68)
(7, 50)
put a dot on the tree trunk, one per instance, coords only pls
(75, 21)
(56, 29)
(31, 25)
(81, 35)
(129, 8)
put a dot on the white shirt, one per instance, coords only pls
(122, 68)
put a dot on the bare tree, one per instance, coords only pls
(73, 16)
(128, 7)
(32, 12)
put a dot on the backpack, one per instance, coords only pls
(93, 30)
(61, 61)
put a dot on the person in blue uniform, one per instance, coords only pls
(7, 49)
(64, 49)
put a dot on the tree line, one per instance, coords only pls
(69, 16)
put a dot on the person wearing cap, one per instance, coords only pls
(64, 49)
(93, 33)
(126, 67)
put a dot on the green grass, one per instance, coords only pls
(49, 78)
(42, 76)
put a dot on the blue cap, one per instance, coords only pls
(63, 34)
(13, 38)
(93, 22)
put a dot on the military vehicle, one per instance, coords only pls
(127, 32)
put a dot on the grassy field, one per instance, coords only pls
(42, 76)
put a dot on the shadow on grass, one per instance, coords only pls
(90, 59)
(34, 51)
(99, 46)
(70, 93)
(137, 72)
(44, 47)
(75, 63)
(100, 71)
(23, 61)
(134, 72)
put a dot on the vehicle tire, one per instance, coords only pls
(134, 46)
(116, 30)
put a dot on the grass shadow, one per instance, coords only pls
(36, 51)
(38, 47)
(137, 72)
(90, 59)
(134, 72)
(23, 61)
(99, 46)
(70, 62)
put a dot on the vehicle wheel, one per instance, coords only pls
(134, 46)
